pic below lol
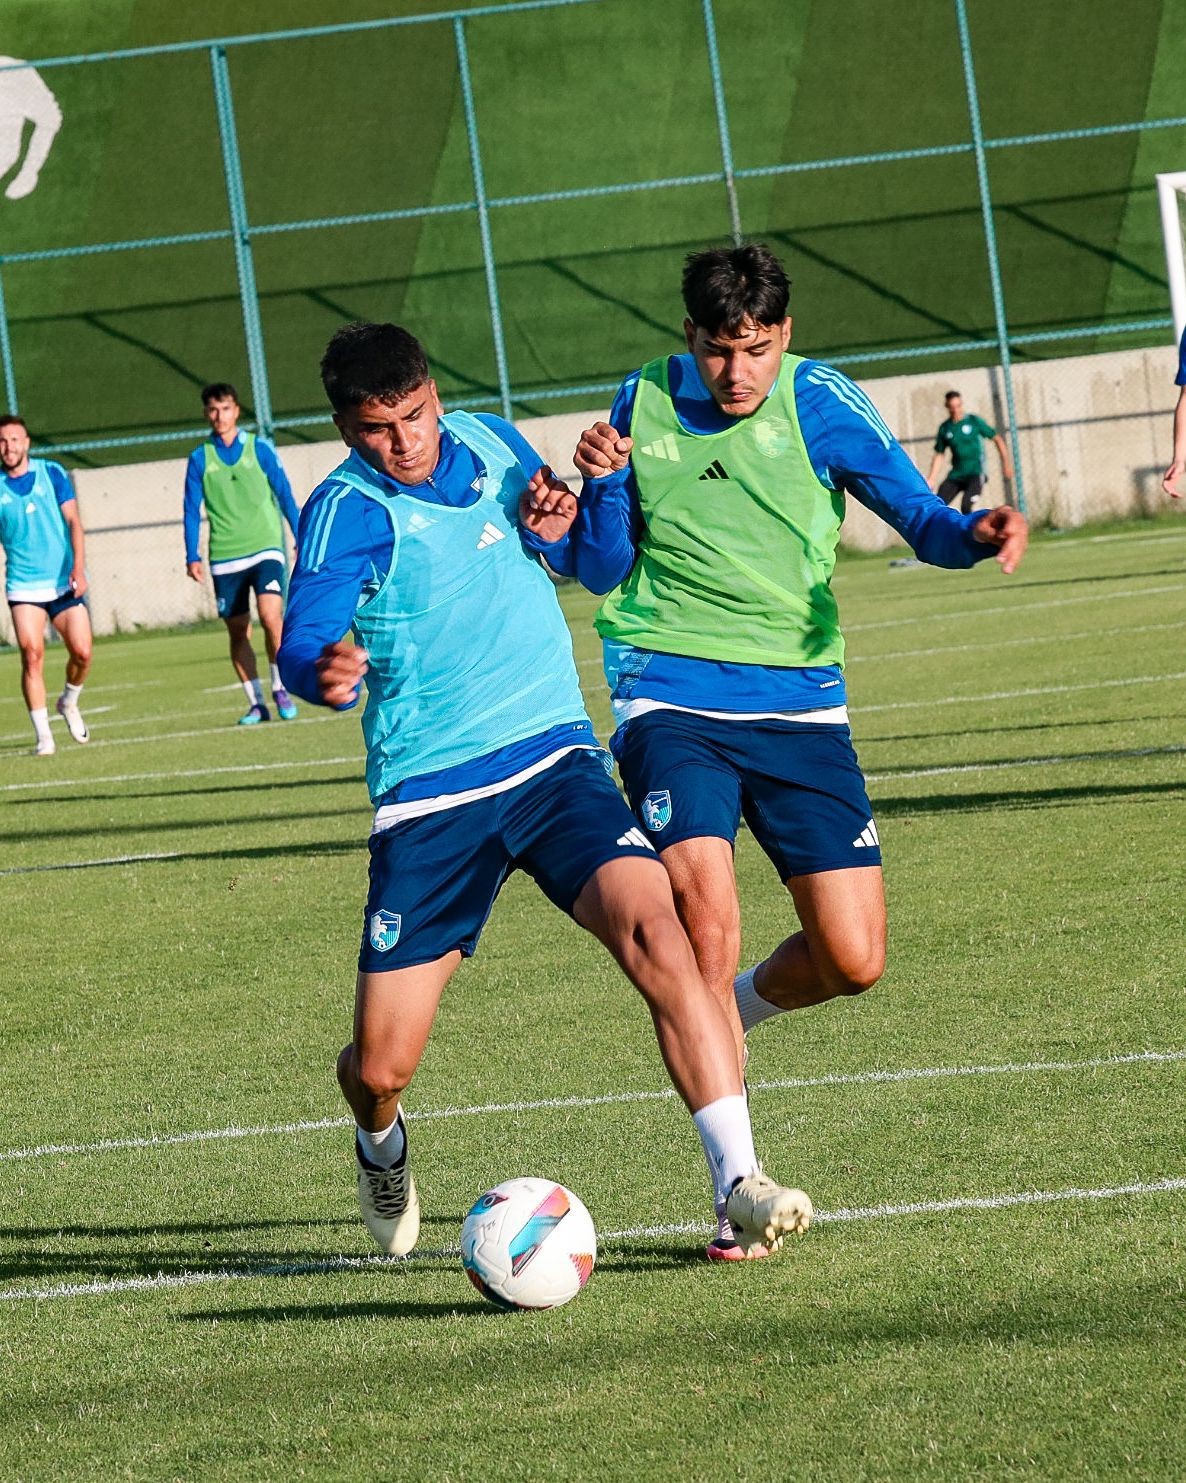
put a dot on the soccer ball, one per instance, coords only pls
(528, 1243)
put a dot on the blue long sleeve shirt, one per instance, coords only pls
(850, 448)
(273, 471)
(1180, 378)
(346, 547)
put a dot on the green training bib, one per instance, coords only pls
(240, 507)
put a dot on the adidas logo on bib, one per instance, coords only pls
(666, 447)
(715, 470)
(490, 534)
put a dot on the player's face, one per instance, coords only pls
(955, 407)
(14, 447)
(222, 413)
(740, 369)
(400, 439)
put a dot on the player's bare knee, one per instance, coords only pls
(856, 972)
(657, 949)
(32, 656)
(379, 1075)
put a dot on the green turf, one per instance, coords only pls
(1036, 917)
(881, 256)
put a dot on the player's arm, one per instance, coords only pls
(68, 504)
(937, 461)
(273, 470)
(608, 527)
(998, 441)
(851, 448)
(1178, 463)
(191, 516)
(344, 541)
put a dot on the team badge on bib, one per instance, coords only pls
(774, 436)
(385, 927)
(656, 810)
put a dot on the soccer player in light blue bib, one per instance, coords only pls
(481, 759)
(45, 578)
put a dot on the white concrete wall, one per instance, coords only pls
(1094, 430)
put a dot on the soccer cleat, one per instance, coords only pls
(284, 704)
(45, 747)
(72, 716)
(724, 1247)
(388, 1201)
(762, 1212)
(256, 715)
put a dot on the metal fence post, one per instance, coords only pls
(241, 235)
(990, 243)
(475, 161)
(10, 401)
(718, 97)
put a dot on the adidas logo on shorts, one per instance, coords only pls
(867, 838)
(636, 838)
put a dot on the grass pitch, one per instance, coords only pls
(994, 1136)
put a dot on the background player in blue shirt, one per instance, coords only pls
(480, 758)
(1178, 461)
(704, 738)
(45, 579)
(245, 490)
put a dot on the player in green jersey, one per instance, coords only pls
(960, 435)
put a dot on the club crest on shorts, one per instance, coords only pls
(656, 810)
(385, 927)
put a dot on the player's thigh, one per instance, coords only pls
(73, 623)
(432, 883)
(948, 490)
(842, 913)
(679, 781)
(393, 1017)
(267, 582)
(704, 885)
(232, 597)
(28, 626)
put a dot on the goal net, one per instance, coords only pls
(1171, 194)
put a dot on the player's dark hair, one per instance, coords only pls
(10, 419)
(951, 394)
(371, 362)
(726, 286)
(218, 391)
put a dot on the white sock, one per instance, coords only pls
(728, 1140)
(752, 1008)
(255, 696)
(70, 694)
(383, 1148)
(277, 682)
(40, 720)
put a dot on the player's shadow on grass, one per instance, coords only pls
(343, 1312)
(1064, 725)
(178, 828)
(1004, 802)
(1166, 571)
(124, 793)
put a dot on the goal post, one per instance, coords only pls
(1171, 195)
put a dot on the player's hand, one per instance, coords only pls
(339, 673)
(602, 451)
(1008, 530)
(547, 507)
(78, 582)
(1172, 475)
(193, 570)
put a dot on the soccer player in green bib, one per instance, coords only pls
(239, 478)
(710, 514)
(962, 435)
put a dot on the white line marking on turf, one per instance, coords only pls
(93, 690)
(1029, 638)
(89, 864)
(55, 719)
(164, 1280)
(606, 1099)
(193, 772)
(910, 705)
(1018, 609)
(1070, 761)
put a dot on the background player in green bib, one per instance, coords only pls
(961, 435)
(711, 513)
(45, 579)
(239, 479)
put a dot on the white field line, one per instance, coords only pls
(606, 1099)
(192, 772)
(164, 1280)
(90, 864)
(1018, 609)
(1137, 537)
(227, 729)
(912, 705)
(93, 690)
(56, 720)
(956, 767)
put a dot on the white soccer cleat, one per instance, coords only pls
(72, 716)
(46, 747)
(388, 1200)
(762, 1212)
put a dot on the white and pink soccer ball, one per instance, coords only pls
(528, 1243)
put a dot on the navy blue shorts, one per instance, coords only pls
(232, 590)
(52, 608)
(798, 787)
(434, 879)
